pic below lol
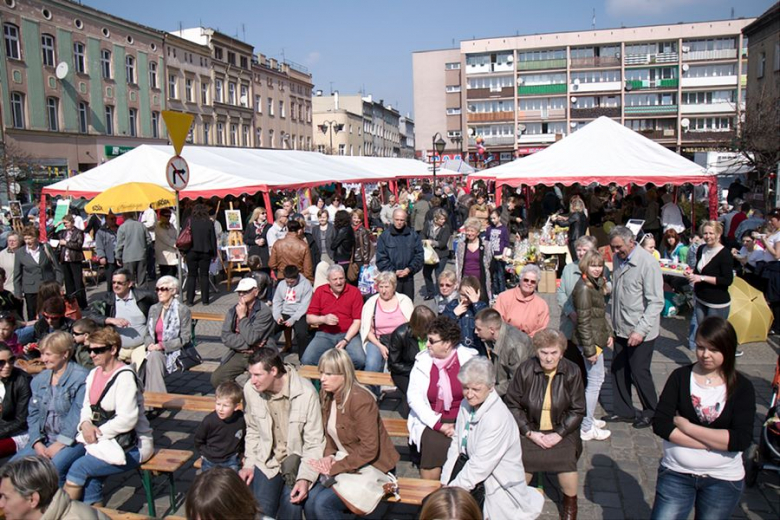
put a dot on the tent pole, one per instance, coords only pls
(713, 199)
(365, 204)
(178, 253)
(498, 196)
(42, 219)
(268, 209)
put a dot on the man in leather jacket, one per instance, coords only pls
(292, 250)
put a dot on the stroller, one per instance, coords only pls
(766, 455)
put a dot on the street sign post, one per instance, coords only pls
(177, 173)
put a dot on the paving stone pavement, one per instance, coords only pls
(616, 477)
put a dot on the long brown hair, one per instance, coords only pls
(590, 258)
(719, 334)
(219, 493)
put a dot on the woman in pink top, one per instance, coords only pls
(382, 314)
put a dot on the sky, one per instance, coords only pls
(353, 46)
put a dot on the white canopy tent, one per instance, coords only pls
(604, 151)
(236, 171)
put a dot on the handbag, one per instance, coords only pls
(353, 270)
(479, 490)
(184, 241)
(188, 358)
(127, 440)
(362, 490)
(430, 257)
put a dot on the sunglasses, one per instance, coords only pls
(98, 350)
(529, 280)
(162, 289)
(4, 362)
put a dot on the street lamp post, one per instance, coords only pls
(438, 148)
(331, 124)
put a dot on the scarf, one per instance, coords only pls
(445, 389)
(171, 330)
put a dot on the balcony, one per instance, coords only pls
(542, 64)
(594, 112)
(596, 61)
(653, 109)
(711, 81)
(709, 136)
(539, 138)
(483, 68)
(665, 133)
(531, 90)
(723, 54)
(642, 59)
(489, 117)
(601, 86)
(642, 84)
(708, 108)
(488, 93)
(547, 113)
(494, 140)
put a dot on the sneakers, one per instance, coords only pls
(598, 423)
(595, 434)
(739, 353)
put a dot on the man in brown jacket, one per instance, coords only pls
(292, 250)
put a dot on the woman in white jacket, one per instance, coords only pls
(382, 314)
(486, 434)
(435, 394)
(113, 386)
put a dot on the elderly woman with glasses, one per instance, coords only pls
(522, 307)
(57, 394)
(170, 330)
(13, 404)
(435, 393)
(485, 450)
(113, 408)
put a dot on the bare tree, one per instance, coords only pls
(16, 165)
(757, 140)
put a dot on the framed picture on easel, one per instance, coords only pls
(15, 208)
(233, 219)
(237, 254)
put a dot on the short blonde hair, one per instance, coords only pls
(448, 274)
(387, 277)
(58, 342)
(717, 226)
(473, 223)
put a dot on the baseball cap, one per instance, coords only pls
(246, 284)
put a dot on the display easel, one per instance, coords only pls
(235, 238)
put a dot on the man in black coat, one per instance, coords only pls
(400, 250)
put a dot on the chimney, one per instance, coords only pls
(336, 100)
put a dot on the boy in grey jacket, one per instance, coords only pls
(291, 301)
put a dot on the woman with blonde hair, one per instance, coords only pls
(577, 222)
(355, 436)
(473, 258)
(256, 234)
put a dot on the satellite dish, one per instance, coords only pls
(62, 70)
(629, 88)
(573, 124)
(577, 81)
(243, 100)
(520, 81)
(685, 67)
(521, 128)
(574, 99)
(510, 59)
(685, 123)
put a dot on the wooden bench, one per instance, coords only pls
(207, 316)
(164, 462)
(414, 490)
(366, 378)
(205, 403)
(114, 514)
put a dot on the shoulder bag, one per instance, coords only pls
(362, 490)
(184, 241)
(127, 440)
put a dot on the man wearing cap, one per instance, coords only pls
(247, 327)
(335, 309)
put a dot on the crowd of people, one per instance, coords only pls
(491, 393)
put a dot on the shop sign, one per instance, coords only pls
(116, 151)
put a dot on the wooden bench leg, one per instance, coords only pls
(146, 480)
(171, 495)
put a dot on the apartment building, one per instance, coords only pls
(282, 103)
(359, 126)
(763, 69)
(406, 136)
(77, 85)
(188, 85)
(682, 85)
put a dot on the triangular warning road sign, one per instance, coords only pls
(178, 124)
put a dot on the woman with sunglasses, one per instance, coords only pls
(14, 399)
(435, 393)
(57, 394)
(170, 330)
(113, 408)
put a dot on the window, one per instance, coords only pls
(130, 69)
(204, 93)
(79, 58)
(455, 65)
(552, 54)
(231, 57)
(53, 113)
(17, 109)
(342, 149)
(259, 104)
(245, 135)
(220, 134)
(172, 86)
(12, 48)
(153, 74)
(47, 49)
(271, 108)
(601, 76)
(218, 53)
(761, 65)
(232, 93)
(259, 137)
(105, 63)
(233, 134)
(321, 148)
(109, 120)
(708, 98)
(132, 121)
(156, 125)
(453, 111)
(281, 108)
(271, 139)
(218, 91)
(206, 131)
(710, 124)
(188, 90)
(711, 71)
(453, 89)
(244, 62)
(244, 99)
(83, 117)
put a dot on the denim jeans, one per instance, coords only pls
(677, 493)
(89, 472)
(431, 274)
(324, 504)
(699, 313)
(230, 463)
(274, 497)
(498, 276)
(596, 375)
(324, 341)
(63, 460)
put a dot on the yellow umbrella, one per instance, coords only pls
(130, 197)
(750, 315)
